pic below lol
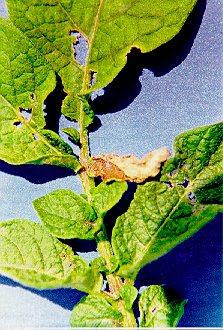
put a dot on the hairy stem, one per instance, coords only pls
(87, 182)
(103, 245)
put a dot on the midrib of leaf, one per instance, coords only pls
(187, 190)
(70, 19)
(24, 122)
(88, 183)
(85, 84)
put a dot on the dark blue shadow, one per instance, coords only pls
(36, 173)
(66, 298)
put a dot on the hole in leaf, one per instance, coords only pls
(185, 183)
(32, 96)
(44, 110)
(36, 137)
(80, 47)
(92, 78)
(26, 113)
(192, 197)
(173, 172)
(169, 184)
(17, 124)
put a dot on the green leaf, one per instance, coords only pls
(31, 255)
(163, 214)
(73, 134)
(95, 311)
(111, 29)
(67, 215)
(107, 195)
(99, 264)
(159, 309)
(25, 81)
(198, 157)
(129, 294)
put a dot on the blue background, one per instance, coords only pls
(155, 97)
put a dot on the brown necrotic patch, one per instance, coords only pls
(128, 168)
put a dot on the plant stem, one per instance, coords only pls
(87, 182)
(114, 281)
(103, 245)
(129, 320)
(105, 250)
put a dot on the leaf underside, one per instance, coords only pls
(166, 212)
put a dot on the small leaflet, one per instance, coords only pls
(128, 168)
(160, 308)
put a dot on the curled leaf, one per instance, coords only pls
(128, 168)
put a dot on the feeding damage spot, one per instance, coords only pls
(26, 113)
(17, 124)
(128, 168)
(192, 201)
(80, 46)
(35, 137)
(173, 184)
(192, 197)
(185, 183)
(92, 78)
(169, 184)
(153, 310)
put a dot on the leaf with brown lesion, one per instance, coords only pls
(128, 168)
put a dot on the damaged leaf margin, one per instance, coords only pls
(164, 214)
(128, 168)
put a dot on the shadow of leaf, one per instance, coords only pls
(36, 174)
(126, 86)
(66, 298)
